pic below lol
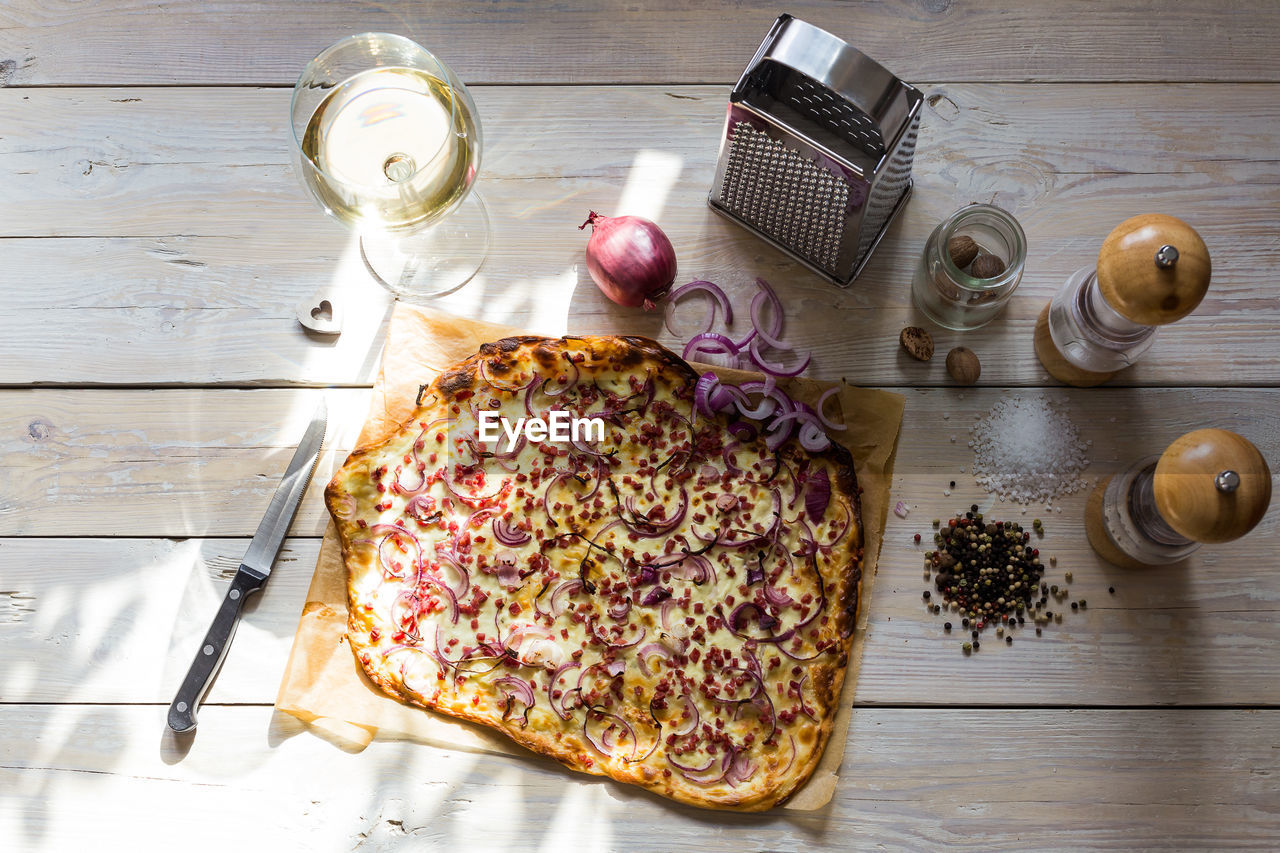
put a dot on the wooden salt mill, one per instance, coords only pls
(1210, 485)
(1153, 270)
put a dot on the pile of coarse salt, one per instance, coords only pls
(1027, 451)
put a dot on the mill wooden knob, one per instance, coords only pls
(1153, 269)
(1212, 485)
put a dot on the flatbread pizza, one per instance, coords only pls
(559, 545)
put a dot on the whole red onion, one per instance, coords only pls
(630, 259)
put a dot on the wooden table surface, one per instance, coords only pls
(154, 380)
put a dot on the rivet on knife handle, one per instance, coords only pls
(182, 713)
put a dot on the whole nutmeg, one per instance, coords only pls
(917, 342)
(986, 266)
(963, 365)
(962, 250)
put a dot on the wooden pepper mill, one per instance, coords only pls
(1153, 270)
(1210, 485)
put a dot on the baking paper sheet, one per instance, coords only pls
(325, 687)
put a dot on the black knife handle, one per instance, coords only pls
(182, 713)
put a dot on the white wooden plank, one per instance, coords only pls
(966, 780)
(120, 620)
(198, 463)
(217, 306)
(191, 42)
(191, 462)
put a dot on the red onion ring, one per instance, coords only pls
(694, 717)
(569, 587)
(822, 402)
(605, 741)
(651, 650)
(818, 495)
(560, 711)
(719, 298)
(520, 690)
(777, 370)
(484, 374)
(508, 534)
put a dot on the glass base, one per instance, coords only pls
(432, 262)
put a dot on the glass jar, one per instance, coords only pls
(949, 295)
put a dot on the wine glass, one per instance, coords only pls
(387, 140)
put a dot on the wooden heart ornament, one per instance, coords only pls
(321, 312)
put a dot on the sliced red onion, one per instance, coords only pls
(792, 760)
(717, 294)
(776, 370)
(655, 528)
(777, 597)
(447, 592)
(755, 574)
(553, 685)
(822, 402)
(615, 667)
(450, 562)
(509, 534)
(508, 569)
(772, 333)
(470, 498)
(607, 738)
(706, 383)
(813, 439)
(709, 774)
(798, 686)
(817, 495)
(347, 508)
(710, 343)
(655, 595)
(848, 521)
(619, 611)
(566, 383)
(696, 568)
(404, 614)
(648, 651)
(740, 769)
(484, 374)
(394, 530)
(694, 717)
(518, 690)
(563, 591)
(544, 652)
(675, 632)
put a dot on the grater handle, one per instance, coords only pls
(842, 68)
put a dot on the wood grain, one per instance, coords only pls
(196, 43)
(964, 780)
(184, 247)
(204, 462)
(185, 463)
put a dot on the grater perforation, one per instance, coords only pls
(817, 150)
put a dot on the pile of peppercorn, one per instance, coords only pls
(987, 573)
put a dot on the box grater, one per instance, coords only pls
(817, 149)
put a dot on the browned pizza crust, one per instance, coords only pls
(642, 517)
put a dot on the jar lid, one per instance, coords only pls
(1212, 485)
(1153, 269)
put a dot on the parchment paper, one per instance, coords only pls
(325, 687)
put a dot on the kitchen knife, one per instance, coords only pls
(251, 576)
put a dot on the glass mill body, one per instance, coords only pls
(1210, 485)
(1152, 270)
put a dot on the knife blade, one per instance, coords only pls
(252, 574)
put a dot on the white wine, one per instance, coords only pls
(394, 148)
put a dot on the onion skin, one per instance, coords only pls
(629, 259)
